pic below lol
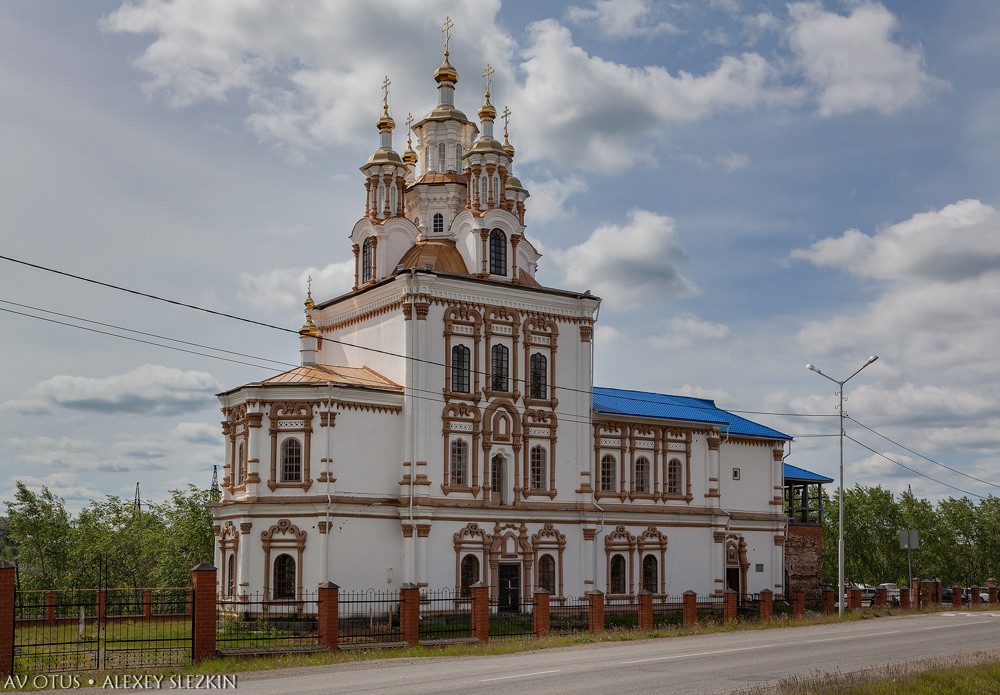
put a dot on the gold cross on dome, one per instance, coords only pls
(506, 119)
(409, 120)
(385, 91)
(448, 24)
(309, 283)
(488, 76)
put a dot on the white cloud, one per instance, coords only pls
(733, 161)
(307, 71)
(721, 398)
(853, 62)
(284, 289)
(147, 390)
(198, 433)
(595, 114)
(606, 337)
(62, 484)
(630, 265)
(549, 196)
(620, 19)
(127, 453)
(685, 330)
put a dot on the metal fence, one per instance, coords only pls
(369, 617)
(512, 623)
(621, 613)
(568, 615)
(143, 628)
(711, 608)
(255, 623)
(748, 606)
(56, 631)
(444, 616)
(668, 611)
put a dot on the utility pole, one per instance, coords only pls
(138, 502)
(214, 492)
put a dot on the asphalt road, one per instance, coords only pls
(717, 663)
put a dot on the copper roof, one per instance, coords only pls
(440, 254)
(434, 177)
(320, 374)
(524, 279)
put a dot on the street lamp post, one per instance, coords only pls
(840, 504)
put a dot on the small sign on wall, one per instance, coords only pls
(736, 474)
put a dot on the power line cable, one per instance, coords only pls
(919, 455)
(913, 470)
(373, 349)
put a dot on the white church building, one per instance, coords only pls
(443, 427)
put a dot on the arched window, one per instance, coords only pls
(496, 190)
(547, 573)
(642, 475)
(438, 223)
(674, 477)
(392, 201)
(460, 369)
(608, 465)
(231, 575)
(241, 464)
(499, 368)
(649, 574)
(458, 157)
(291, 461)
(459, 462)
(496, 478)
(536, 479)
(284, 576)
(381, 200)
(537, 376)
(498, 252)
(469, 574)
(367, 260)
(617, 574)
(441, 158)
(482, 191)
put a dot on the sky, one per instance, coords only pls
(749, 186)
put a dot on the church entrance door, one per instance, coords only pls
(509, 598)
(733, 578)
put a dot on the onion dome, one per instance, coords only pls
(487, 110)
(446, 72)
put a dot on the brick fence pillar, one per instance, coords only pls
(102, 602)
(328, 620)
(542, 623)
(409, 613)
(689, 614)
(939, 594)
(880, 597)
(50, 607)
(993, 595)
(766, 605)
(798, 603)
(480, 612)
(203, 581)
(147, 603)
(956, 597)
(854, 599)
(595, 611)
(729, 605)
(829, 601)
(7, 587)
(974, 598)
(916, 597)
(645, 610)
(904, 598)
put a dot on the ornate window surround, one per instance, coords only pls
(654, 542)
(290, 418)
(281, 538)
(539, 428)
(541, 336)
(461, 421)
(502, 327)
(463, 326)
(624, 543)
(549, 541)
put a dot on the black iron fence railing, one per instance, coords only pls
(621, 613)
(369, 617)
(568, 615)
(506, 623)
(668, 611)
(256, 622)
(711, 608)
(444, 616)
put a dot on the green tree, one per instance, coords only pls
(41, 535)
(187, 539)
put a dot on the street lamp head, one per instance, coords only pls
(872, 359)
(812, 367)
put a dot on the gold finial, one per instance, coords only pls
(385, 122)
(309, 293)
(488, 78)
(506, 121)
(448, 24)
(409, 156)
(409, 128)
(385, 94)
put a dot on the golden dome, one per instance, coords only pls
(514, 182)
(441, 254)
(309, 328)
(409, 156)
(386, 121)
(487, 110)
(507, 147)
(446, 73)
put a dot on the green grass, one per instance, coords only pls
(973, 673)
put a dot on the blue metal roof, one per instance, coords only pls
(684, 408)
(796, 473)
